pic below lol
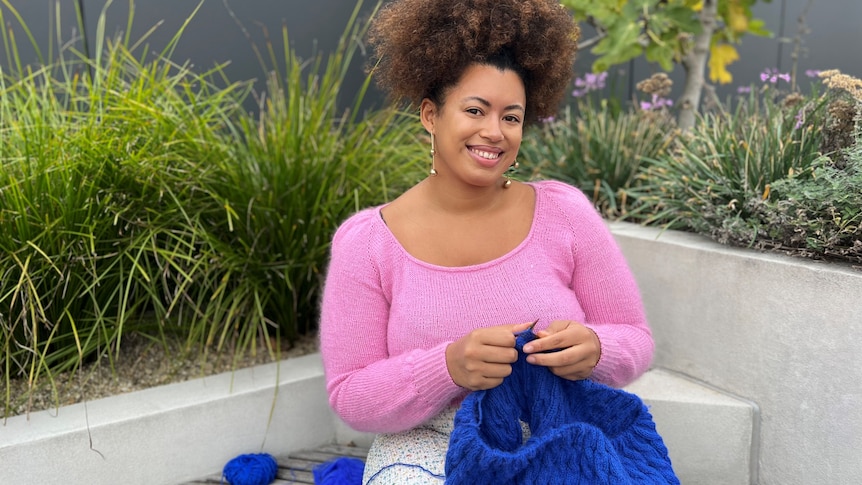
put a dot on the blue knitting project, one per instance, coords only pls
(581, 432)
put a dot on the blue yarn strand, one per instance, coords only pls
(407, 465)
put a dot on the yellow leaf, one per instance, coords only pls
(737, 20)
(698, 7)
(721, 55)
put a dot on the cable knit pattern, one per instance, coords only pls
(387, 317)
(581, 432)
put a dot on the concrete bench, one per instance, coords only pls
(181, 432)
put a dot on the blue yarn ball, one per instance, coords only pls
(339, 471)
(251, 469)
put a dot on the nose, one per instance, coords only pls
(492, 131)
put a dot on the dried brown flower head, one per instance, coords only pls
(792, 100)
(835, 79)
(658, 84)
(838, 133)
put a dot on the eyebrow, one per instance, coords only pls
(487, 104)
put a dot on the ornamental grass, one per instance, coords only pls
(140, 196)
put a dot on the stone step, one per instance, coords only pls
(710, 435)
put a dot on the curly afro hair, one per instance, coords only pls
(422, 47)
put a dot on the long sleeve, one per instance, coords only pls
(608, 293)
(370, 389)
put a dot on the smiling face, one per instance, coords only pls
(479, 126)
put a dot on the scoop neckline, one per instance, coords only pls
(473, 267)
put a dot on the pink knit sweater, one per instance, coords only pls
(387, 317)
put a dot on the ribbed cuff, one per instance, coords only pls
(611, 358)
(431, 376)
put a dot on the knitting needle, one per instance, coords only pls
(530, 328)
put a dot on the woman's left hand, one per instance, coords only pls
(578, 349)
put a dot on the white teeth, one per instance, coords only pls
(488, 155)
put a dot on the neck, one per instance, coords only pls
(464, 200)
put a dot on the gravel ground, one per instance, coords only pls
(142, 365)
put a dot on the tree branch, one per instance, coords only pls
(694, 63)
(586, 44)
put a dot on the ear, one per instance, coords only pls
(428, 111)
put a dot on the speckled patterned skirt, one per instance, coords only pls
(416, 456)
(413, 457)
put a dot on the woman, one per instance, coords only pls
(424, 296)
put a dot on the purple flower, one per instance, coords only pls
(812, 72)
(800, 120)
(743, 90)
(549, 119)
(590, 82)
(771, 75)
(657, 103)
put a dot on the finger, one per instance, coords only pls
(554, 341)
(499, 338)
(556, 326)
(481, 352)
(486, 384)
(487, 377)
(500, 355)
(502, 335)
(572, 372)
(573, 334)
(571, 356)
(497, 371)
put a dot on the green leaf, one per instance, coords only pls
(617, 54)
(683, 18)
(621, 37)
(600, 65)
(603, 13)
(663, 55)
(758, 27)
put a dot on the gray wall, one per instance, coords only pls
(778, 331)
(212, 37)
(835, 40)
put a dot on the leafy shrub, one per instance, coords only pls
(601, 150)
(141, 197)
(818, 216)
(301, 168)
(90, 227)
(731, 158)
(769, 169)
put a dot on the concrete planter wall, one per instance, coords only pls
(779, 331)
(774, 331)
(174, 433)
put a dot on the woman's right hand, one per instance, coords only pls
(484, 357)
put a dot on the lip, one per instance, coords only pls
(485, 162)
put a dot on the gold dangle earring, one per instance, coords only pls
(433, 171)
(512, 168)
